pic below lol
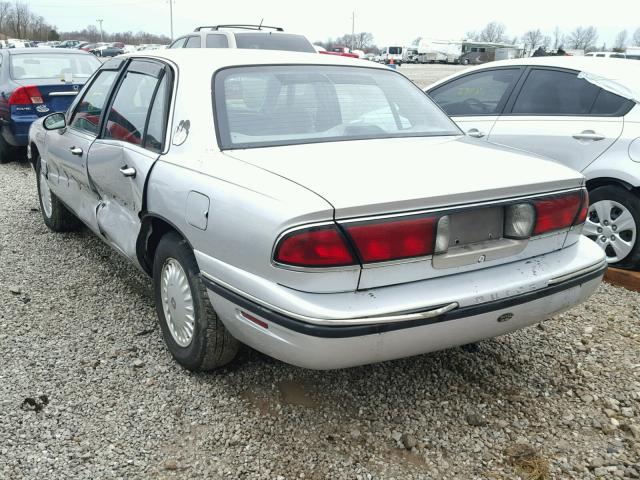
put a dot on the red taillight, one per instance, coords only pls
(393, 240)
(26, 96)
(556, 213)
(584, 209)
(314, 247)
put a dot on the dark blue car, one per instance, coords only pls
(35, 82)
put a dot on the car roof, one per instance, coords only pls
(617, 75)
(218, 58)
(34, 51)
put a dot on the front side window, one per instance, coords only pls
(87, 114)
(480, 93)
(128, 114)
(285, 105)
(178, 43)
(49, 66)
(554, 92)
(192, 42)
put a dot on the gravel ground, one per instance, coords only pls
(425, 75)
(90, 391)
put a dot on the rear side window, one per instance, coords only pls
(192, 42)
(274, 41)
(480, 93)
(553, 92)
(87, 114)
(157, 118)
(610, 104)
(217, 41)
(138, 107)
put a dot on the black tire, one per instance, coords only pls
(632, 203)
(7, 152)
(60, 219)
(211, 345)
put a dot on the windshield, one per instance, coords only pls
(274, 41)
(30, 66)
(286, 105)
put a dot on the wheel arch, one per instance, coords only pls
(35, 153)
(153, 227)
(609, 181)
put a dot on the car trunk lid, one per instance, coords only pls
(57, 94)
(374, 177)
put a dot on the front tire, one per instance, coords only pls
(194, 334)
(613, 222)
(55, 215)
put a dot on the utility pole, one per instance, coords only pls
(353, 29)
(171, 17)
(100, 20)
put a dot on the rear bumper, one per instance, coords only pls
(539, 288)
(16, 130)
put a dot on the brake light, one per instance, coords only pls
(584, 209)
(27, 95)
(556, 213)
(314, 247)
(393, 240)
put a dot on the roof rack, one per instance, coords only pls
(242, 26)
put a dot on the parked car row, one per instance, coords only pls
(320, 209)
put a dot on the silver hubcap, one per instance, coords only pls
(177, 302)
(45, 195)
(612, 227)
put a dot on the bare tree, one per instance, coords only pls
(364, 40)
(557, 38)
(533, 39)
(621, 41)
(636, 37)
(583, 38)
(493, 32)
(5, 11)
(19, 19)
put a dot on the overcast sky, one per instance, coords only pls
(391, 22)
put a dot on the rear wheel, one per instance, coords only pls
(7, 152)
(613, 222)
(194, 334)
(55, 215)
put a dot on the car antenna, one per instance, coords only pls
(260, 26)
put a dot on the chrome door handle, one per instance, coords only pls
(589, 135)
(128, 171)
(76, 151)
(475, 133)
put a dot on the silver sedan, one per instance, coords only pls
(321, 210)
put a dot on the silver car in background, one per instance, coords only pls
(579, 111)
(321, 210)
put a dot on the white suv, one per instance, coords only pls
(244, 36)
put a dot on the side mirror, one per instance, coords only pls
(55, 121)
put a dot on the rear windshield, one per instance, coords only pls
(395, 50)
(274, 41)
(31, 66)
(286, 105)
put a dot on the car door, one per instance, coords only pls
(475, 100)
(66, 150)
(132, 139)
(561, 116)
